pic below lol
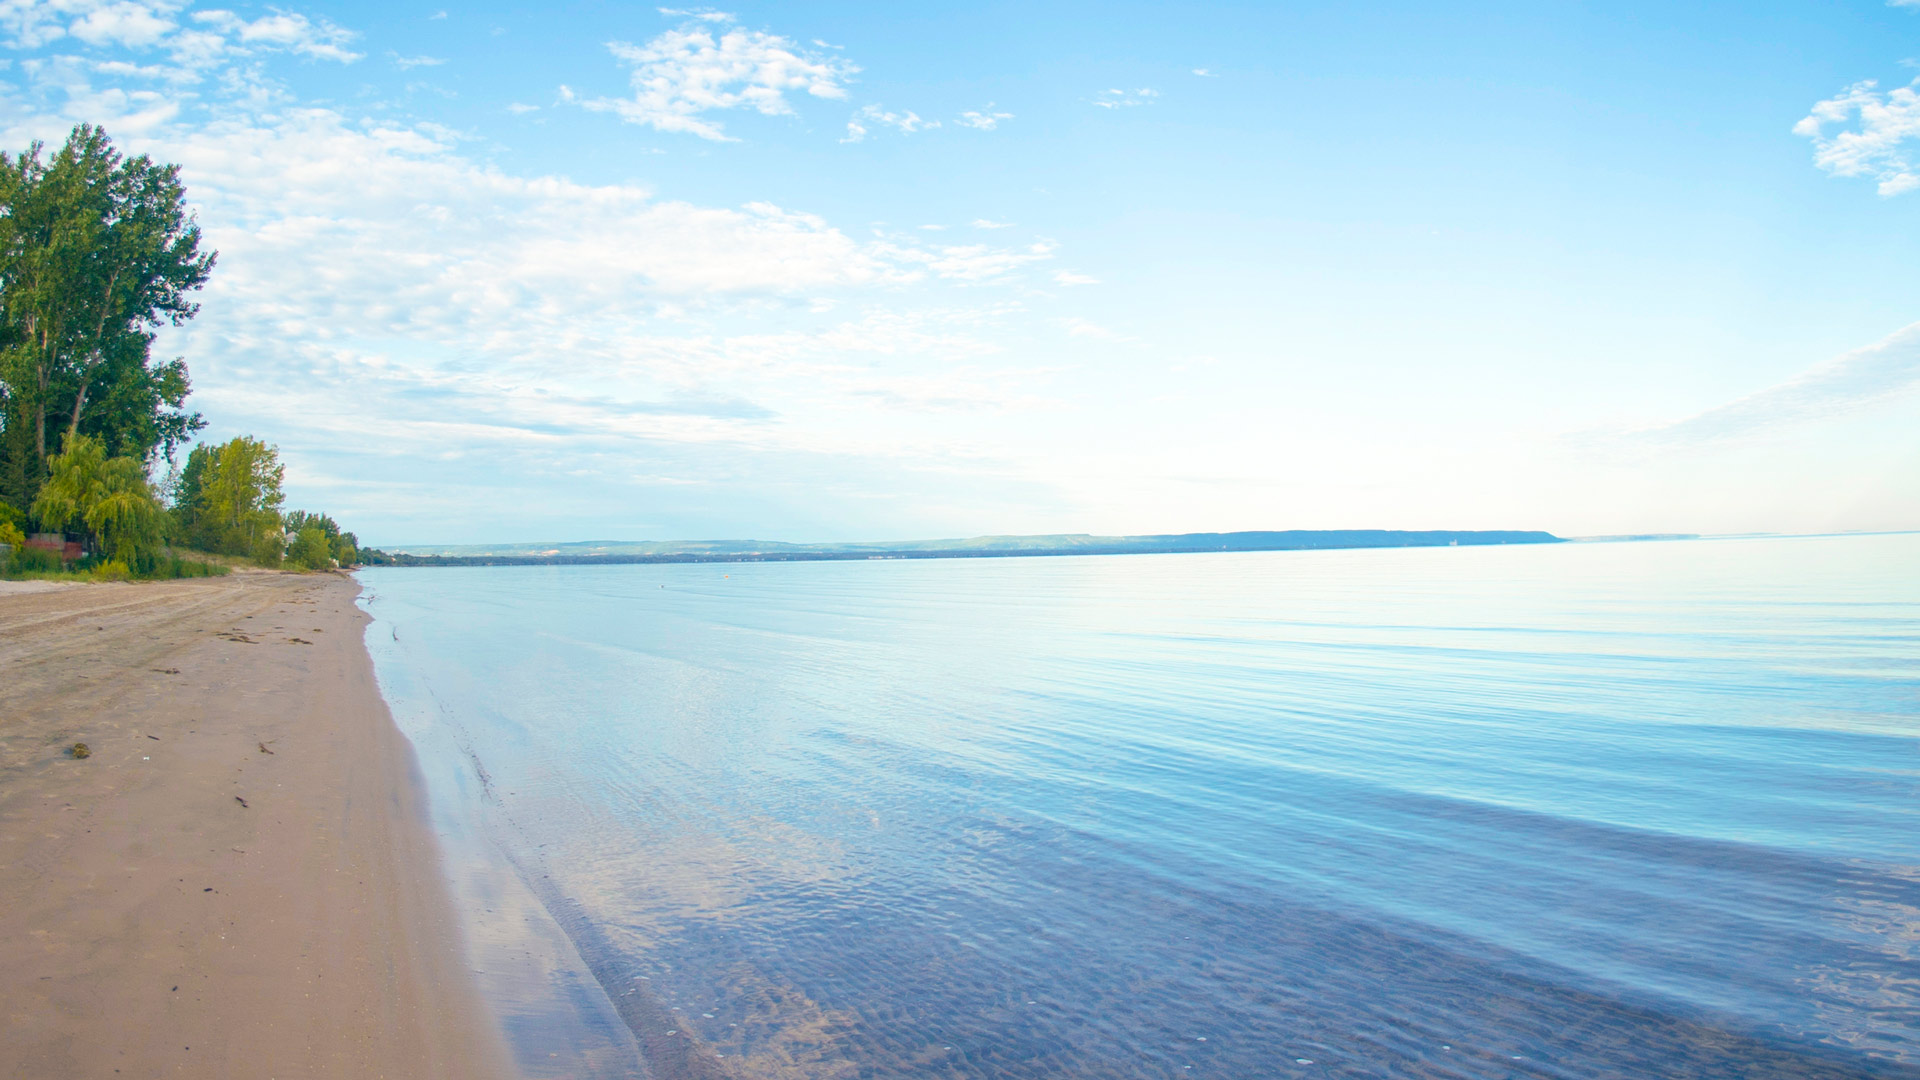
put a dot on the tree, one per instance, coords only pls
(107, 497)
(311, 549)
(97, 251)
(229, 496)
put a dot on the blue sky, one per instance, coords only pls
(844, 271)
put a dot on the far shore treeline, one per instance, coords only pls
(979, 547)
(98, 251)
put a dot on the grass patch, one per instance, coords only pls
(35, 564)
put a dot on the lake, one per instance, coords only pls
(1579, 810)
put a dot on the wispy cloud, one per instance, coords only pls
(194, 43)
(1083, 328)
(689, 71)
(1872, 137)
(971, 263)
(408, 63)
(1125, 99)
(701, 14)
(1070, 277)
(593, 334)
(906, 122)
(1849, 381)
(521, 109)
(983, 119)
(288, 30)
(983, 223)
(133, 24)
(1205, 74)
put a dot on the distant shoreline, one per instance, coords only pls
(978, 548)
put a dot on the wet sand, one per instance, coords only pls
(187, 903)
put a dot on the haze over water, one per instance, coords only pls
(1580, 810)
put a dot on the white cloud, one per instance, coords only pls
(1205, 74)
(1082, 328)
(1849, 381)
(1878, 147)
(408, 63)
(686, 72)
(701, 14)
(1125, 99)
(983, 223)
(1069, 277)
(287, 30)
(904, 122)
(984, 119)
(521, 109)
(972, 263)
(214, 38)
(379, 288)
(125, 23)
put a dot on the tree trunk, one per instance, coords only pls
(40, 419)
(79, 403)
(41, 369)
(99, 332)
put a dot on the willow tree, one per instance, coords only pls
(97, 252)
(108, 497)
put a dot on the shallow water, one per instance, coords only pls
(1586, 810)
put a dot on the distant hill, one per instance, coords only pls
(680, 551)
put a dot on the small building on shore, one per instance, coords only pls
(68, 550)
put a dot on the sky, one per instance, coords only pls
(837, 271)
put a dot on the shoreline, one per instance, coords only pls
(151, 921)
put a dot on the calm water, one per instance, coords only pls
(1594, 810)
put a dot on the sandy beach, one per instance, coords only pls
(239, 881)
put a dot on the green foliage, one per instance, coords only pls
(298, 520)
(97, 251)
(108, 498)
(32, 562)
(318, 542)
(310, 550)
(113, 570)
(228, 498)
(39, 563)
(270, 551)
(12, 540)
(188, 524)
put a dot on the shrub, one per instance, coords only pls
(35, 560)
(310, 550)
(270, 550)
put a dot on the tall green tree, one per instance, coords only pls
(228, 497)
(97, 251)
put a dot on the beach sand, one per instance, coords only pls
(154, 924)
